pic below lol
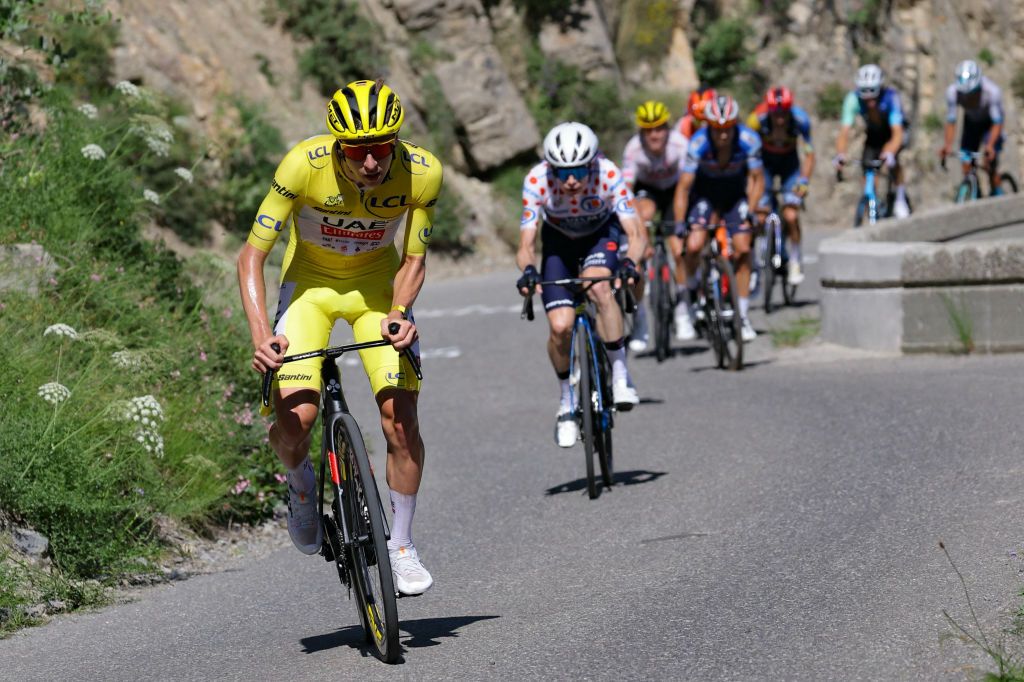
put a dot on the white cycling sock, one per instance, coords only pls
(744, 306)
(794, 252)
(402, 509)
(618, 358)
(302, 477)
(901, 193)
(566, 387)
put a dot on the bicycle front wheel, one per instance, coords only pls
(768, 271)
(603, 434)
(727, 312)
(965, 192)
(585, 402)
(369, 563)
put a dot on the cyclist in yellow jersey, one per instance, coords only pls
(343, 198)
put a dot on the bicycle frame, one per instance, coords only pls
(584, 325)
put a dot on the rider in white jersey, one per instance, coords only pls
(579, 202)
(652, 162)
(982, 101)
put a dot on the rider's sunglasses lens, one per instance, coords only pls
(361, 151)
(578, 172)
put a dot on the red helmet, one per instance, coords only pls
(779, 99)
(722, 112)
(698, 100)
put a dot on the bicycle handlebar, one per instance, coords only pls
(628, 303)
(335, 352)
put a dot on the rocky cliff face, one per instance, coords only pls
(211, 52)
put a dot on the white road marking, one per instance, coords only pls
(475, 309)
(442, 353)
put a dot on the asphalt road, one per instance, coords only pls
(777, 523)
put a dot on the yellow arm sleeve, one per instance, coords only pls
(753, 122)
(420, 225)
(288, 184)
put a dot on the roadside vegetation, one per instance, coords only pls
(125, 394)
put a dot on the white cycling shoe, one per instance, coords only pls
(411, 578)
(624, 395)
(747, 331)
(684, 326)
(901, 210)
(567, 431)
(795, 274)
(638, 344)
(304, 526)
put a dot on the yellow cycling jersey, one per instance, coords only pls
(338, 229)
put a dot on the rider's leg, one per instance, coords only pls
(295, 410)
(560, 323)
(400, 422)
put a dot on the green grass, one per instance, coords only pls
(986, 56)
(932, 122)
(787, 54)
(961, 323)
(830, 101)
(797, 333)
(80, 470)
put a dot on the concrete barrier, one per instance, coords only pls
(910, 286)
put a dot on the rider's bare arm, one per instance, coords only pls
(634, 228)
(843, 141)
(526, 254)
(254, 302)
(755, 186)
(681, 201)
(408, 282)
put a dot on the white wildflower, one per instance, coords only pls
(144, 413)
(88, 110)
(61, 329)
(158, 146)
(151, 196)
(93, 152)
(54, 393)
(126, 359)
(185, 174)
(128, 89)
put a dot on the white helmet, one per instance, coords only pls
(968, 76)
(570, 144)
(869, 80)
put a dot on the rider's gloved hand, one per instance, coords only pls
(944, 151)
(838, 161)
(527, 282)
(627, 271)
(889, 159)
(802, 185)
(679, 228)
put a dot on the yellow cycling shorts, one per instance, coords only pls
(309, 306)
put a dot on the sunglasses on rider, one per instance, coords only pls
(578, 172)
(359, 152)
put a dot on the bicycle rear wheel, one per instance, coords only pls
(585, 401)
(727, 312)
(768, 271)
(1007, 183)
(368, 559)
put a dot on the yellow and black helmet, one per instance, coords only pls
(651, 114)
(364, 110)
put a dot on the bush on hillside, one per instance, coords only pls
(343, 44)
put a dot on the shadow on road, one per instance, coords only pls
(684, 351)
(421, 632)
(634, 477)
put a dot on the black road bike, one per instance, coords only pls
(355, 531)
(593, 405)
(718, 308)
(662, 291)
(773, 262)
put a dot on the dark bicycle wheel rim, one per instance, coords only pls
(965, 192)
(731, 327)
(768, 272)
(711, 313)
(661, 306)
(585, 404)
(1007, 183)
(603, 434)
(859, 214)
(369, 563)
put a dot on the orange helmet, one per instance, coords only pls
(722, 112)
(698, 101)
